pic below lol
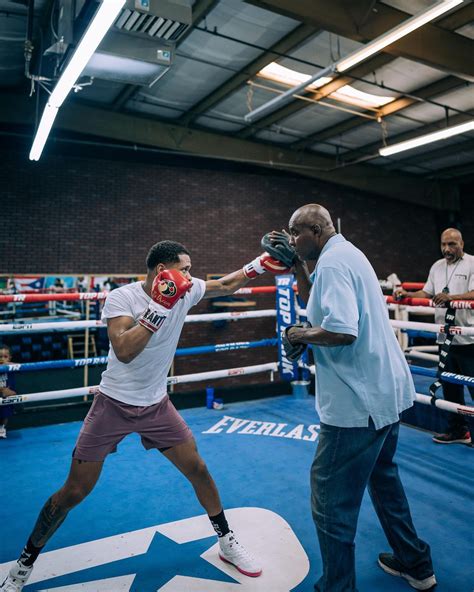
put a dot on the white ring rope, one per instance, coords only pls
(431, 327)
(424, 399)
(423, 348)
(422, 356)
(90, 390)
(80, 325)
(446, 405)
(421, 310)
(428, 327)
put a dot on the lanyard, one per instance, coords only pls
(446, 287)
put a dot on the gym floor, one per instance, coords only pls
(142, 529)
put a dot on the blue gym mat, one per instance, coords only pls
(142, 529)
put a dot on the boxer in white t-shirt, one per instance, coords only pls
(144, 321)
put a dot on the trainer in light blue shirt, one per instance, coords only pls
(369, 378)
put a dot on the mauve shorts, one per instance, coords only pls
(109, 421)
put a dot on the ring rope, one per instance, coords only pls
(80, 325)
(411, 286)
(185, 378)
(431, 327)
(444, 376)
(427, 327)
(422, 356)
(428, 302)
(81, 362)
(428, 400)
(73, 296)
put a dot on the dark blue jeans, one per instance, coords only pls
(346, 461)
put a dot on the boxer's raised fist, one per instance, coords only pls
(169, 286)
(263, 263)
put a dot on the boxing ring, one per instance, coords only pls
(142, 530)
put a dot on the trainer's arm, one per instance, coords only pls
(464, 296)
(401, 293)
(128, 339)
(227, 285)
(319, 336)
(302, 280)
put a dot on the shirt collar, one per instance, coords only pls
(332, 242)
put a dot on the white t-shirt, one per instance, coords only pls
(459, 278)
(142, 382)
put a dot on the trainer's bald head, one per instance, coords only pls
(310, 227)
(451, 233)
(312, 214)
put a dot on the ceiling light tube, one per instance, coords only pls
(415, 22)
(286, 96)
(100, 24)
(42, 133)
(447, 132)
(359, 55)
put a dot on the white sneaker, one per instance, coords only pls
(3, 431)
(231, 551)
(16, 578)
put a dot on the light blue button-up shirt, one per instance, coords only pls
(369, 378)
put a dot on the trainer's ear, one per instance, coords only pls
(316, 228)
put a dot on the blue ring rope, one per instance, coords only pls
(202, 349)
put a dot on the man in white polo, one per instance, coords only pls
(452, 278)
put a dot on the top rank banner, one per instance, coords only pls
(286, 315)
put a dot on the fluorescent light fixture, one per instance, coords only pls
(415, 22)
(279, 73)
(42, 133)
(346, 94)
(100, 24)
(124, 70)
(357, 56)
(447, 132)
(353, 96)
(287, 96)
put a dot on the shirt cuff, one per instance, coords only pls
(340, 328)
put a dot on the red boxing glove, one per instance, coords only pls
(169, 286)
(263, 263)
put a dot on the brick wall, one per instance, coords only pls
(70, 215)
(88, 215)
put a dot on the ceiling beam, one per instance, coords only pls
(429, 91)
(462, 173)
(78, 118)
(461, 16)
(322, 92)
(430, 44)
(464, 16)
(286, 44)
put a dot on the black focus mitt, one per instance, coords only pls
(294, 351)
(277, 246)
